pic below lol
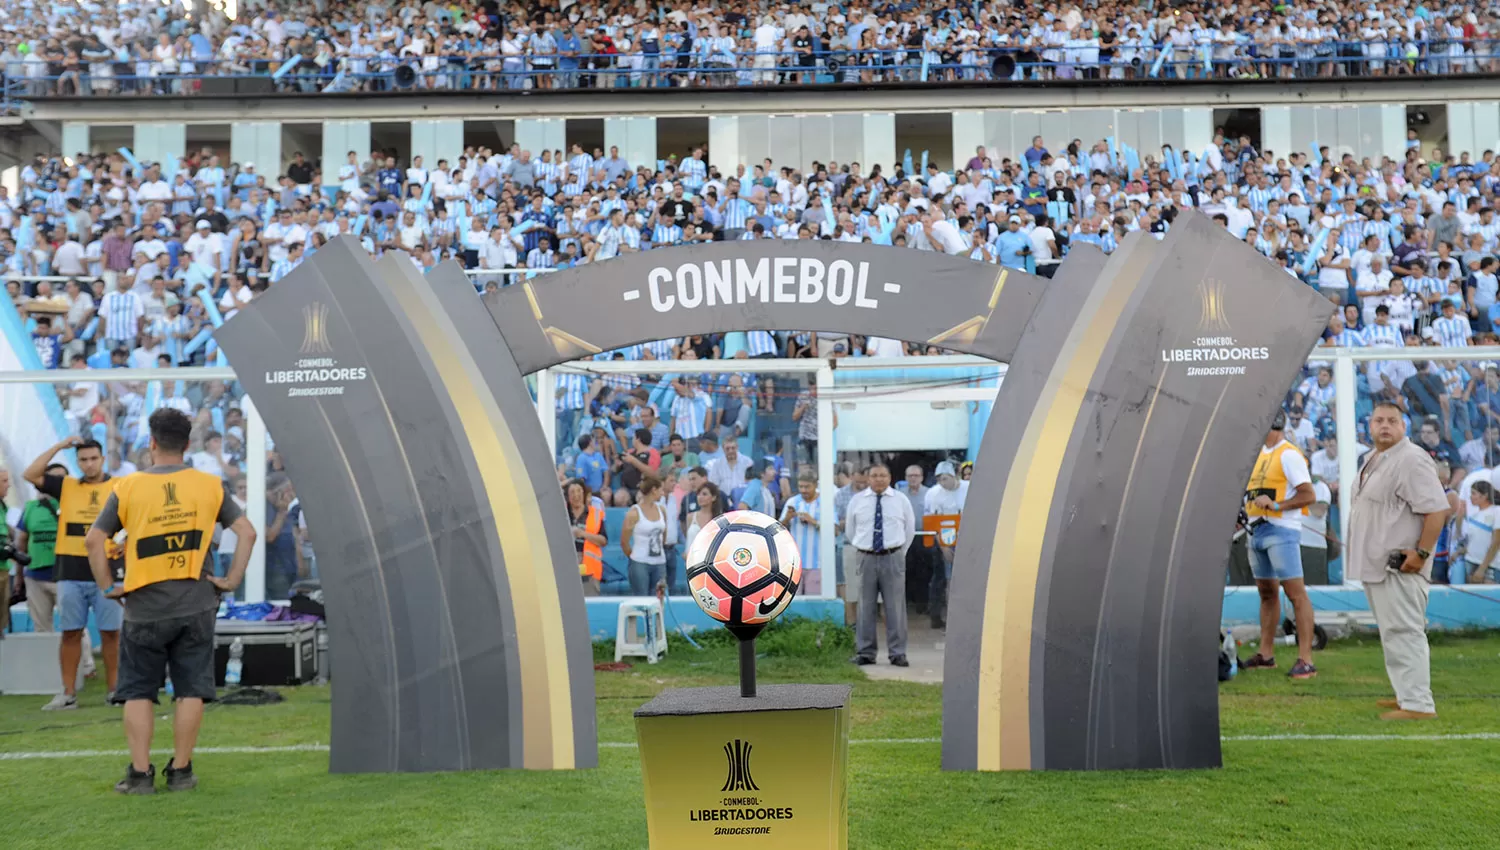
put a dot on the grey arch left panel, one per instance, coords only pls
(424, 651)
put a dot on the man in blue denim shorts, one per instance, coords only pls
(1277, 496)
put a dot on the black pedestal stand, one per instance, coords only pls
(747, 635)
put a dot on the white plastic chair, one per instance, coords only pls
(639, 629)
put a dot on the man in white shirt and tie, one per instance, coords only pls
(879, 525)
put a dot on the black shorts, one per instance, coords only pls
(182, 645)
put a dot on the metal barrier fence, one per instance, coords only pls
(846, 384)
(109, 76)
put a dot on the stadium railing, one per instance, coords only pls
(493, 73)
(927, 382)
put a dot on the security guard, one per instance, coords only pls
(79, 501)
(171, 593)
(1277, 496)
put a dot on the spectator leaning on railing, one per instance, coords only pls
(72, 48)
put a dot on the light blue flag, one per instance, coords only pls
(924, 162)
(129, 157)
(1132, 160)
(1315, 155)
(1316, 252)
(906, 163)
(359, 225)
(427, 193)
(1170, 162)
(152, 402)
(1114, 153)
(286, 67)
(1161, 59)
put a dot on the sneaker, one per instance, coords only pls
(900, 661)
(1302, 670)
(136, 782)
(862, 660)
(1403, 714)
(109, 698)
(180, 780)
(62, 702)
(1258, 660)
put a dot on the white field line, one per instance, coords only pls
(323, 748)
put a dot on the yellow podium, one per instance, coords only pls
(763, 771)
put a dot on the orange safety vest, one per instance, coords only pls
(1268, 479)
(592, 563)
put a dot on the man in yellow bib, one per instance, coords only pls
(1277, 496)
(171, 594)
(79, 501)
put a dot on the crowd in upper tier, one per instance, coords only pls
(147, 258)
(80, 47)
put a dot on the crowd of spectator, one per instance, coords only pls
(78, 47)
(146, 258)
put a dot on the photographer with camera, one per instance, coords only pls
(36, 536)
(1276, 498)
(8, 552)
(1399, 511)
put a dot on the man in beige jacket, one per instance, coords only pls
(1399, 510)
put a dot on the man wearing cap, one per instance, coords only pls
(1278, 495)
(1013, 244)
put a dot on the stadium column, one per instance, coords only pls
(340, 137)
(435, 140)
(635, 137)
(538, 134)
(968, 134)
(1276, 130)
(1197, 127)
(1391, 136)
(1473, 126)
(75, 138)
(158, 142)
(724, 143)
(258, 142)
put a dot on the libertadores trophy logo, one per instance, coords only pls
(315, 329)
(1213, 315)
(739, 779)
(169, 495)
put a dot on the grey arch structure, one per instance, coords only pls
(1138, 387)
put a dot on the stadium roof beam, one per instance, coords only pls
(778, 100)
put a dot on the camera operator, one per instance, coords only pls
(36, 535)
(1399, 511)
(1276, 498)
(7, 552)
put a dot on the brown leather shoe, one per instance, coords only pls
(1388, 703)
(1403, 714)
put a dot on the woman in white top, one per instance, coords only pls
(708, 508)
(643, 538)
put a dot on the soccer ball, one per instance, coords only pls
(743, 568)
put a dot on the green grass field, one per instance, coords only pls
(1331, 793)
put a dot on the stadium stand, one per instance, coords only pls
(82, 48)
(186, 247)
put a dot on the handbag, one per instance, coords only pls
(1335, 546)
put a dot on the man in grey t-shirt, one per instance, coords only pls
(169, 621)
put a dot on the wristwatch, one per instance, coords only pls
(1423, 553)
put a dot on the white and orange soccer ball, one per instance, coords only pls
(743, 568)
